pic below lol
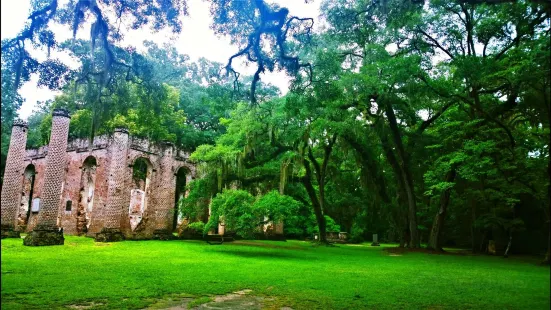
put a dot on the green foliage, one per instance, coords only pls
(356, 233)
(234, 208)
(195, 205)
(241, 213)
(276, 207)
(196, 227)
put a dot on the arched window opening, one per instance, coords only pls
(87, 190)
(141, 171)
(180, 193)
(141, 178)
(29, 177)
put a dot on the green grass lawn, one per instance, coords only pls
(134, 275)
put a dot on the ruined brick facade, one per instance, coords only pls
(97, 187)
(116, 187)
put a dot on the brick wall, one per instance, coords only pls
(77, 152)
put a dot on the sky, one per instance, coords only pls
(195, 40)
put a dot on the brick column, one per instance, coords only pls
(11, 189)
(116, 189)
(46, 231)
(165, 190)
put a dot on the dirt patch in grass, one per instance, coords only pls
(87, 305)
(102, 244)
(237, 300)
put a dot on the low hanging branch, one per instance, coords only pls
(275, 24)
(159, 14)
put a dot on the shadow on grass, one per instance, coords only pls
(264, 254)
(271, 245)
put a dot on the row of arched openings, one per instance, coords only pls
(141, 177)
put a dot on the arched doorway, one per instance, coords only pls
(29, 177)
(139, 195)
(180, 193)
(87, 188)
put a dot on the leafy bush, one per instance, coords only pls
(235, 208)
(356, 233)
(196, 227)
(276, 207)
(243, 215)
(195, 205)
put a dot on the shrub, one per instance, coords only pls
(356, 233)
(196, 227)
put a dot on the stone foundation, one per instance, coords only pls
(109, 235)
(44, 237)
(163, 234)
(9, 232)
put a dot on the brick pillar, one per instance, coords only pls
(165, 190)
(46, 231)
(116, 189)
(11, 189)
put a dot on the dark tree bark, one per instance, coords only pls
(307, 182)
(473, 229)
(372, 167)
(402, 220)
(547, 259)
(318, 202)
(435, 241)
(405, 173)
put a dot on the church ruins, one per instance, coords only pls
(112, 188)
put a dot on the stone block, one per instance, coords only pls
(44, 238)
(9, 232)
(109, 235)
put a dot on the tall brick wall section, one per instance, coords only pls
(70, 193)
(11, 189)
(165, 189)
(151, 154)
(101, 188)
(26, 199)
(111, 215)
(40, 167)
(54, 175)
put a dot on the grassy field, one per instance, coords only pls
(134, 275)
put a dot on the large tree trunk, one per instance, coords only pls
(318, 211)
(318, 203)
(406, 174)
(435, 241)
(548, 254)
(372, 167)
(412, 216)
(547, 259)
(473, 229)
(393, 161)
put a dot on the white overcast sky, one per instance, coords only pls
(196, 40)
